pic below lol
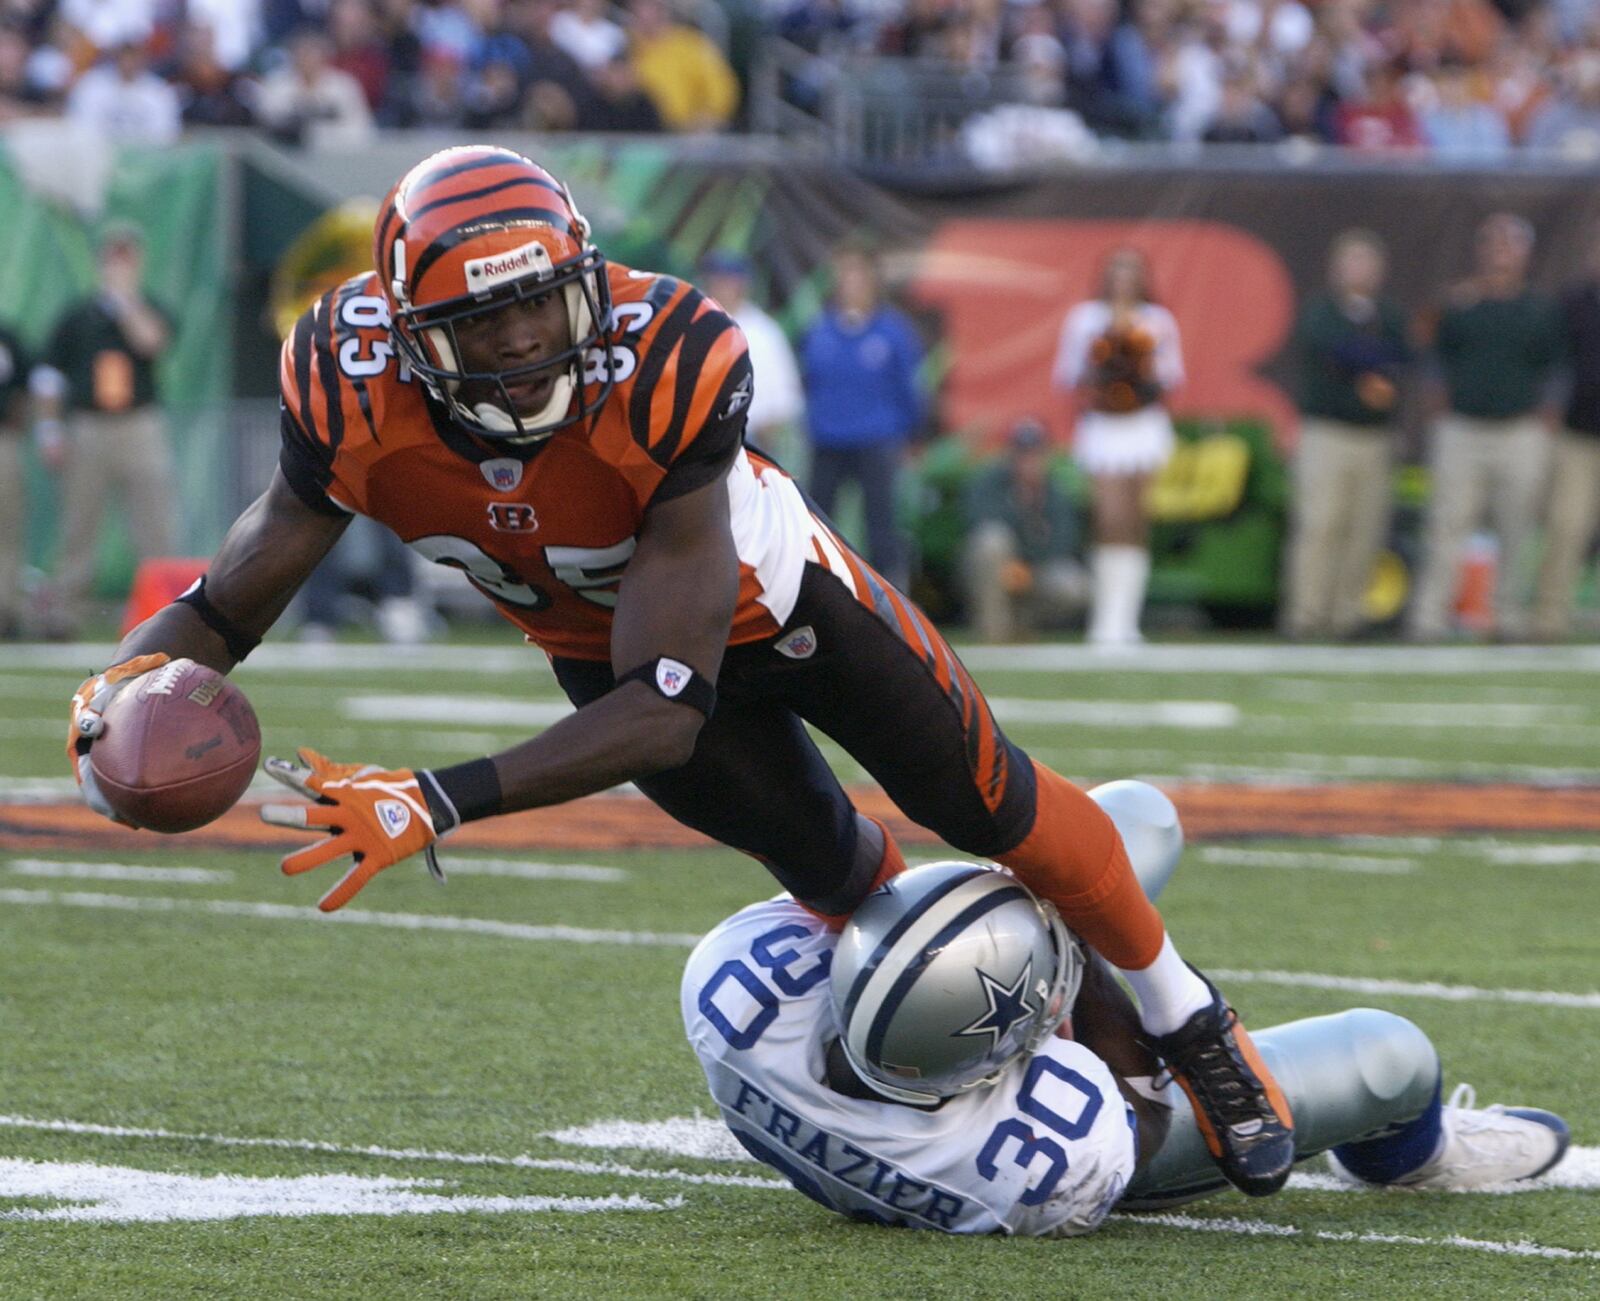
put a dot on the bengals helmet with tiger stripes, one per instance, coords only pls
(466, 232)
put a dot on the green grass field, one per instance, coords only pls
(385, 1109)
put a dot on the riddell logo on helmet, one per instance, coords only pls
(497, 268)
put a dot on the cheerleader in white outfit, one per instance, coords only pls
(1119, 358)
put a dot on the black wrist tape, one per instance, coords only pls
(239, 642)
(461, 793)
(676, 681)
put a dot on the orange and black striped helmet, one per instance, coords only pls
(468, 232)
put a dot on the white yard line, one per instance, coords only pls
(1263, 1229)
(1195, 715)
(1189, 657)
(1326, 691)
(82, 871)
(704, 1138)
(669, 939)
(700, 1137)
(1474, 714)
(1407, 988)
(1550, 855)
(1500, 850)
(346, 917)
(477, 710)
(100, 1194)
(521, 1162)
(38, 790)
(1279, 658)
(1296, 769)
(529, 870)
(496, 711)
(1225, 856)
(507, 658)
(1315, 769)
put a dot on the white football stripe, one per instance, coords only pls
(531, 870)
(668, 939)
(496, 711)
(703, 1137)
(480, 711)
(1253, 660)
(521, 1162)
(1263, 1229)
(1406, 988)
(1286, 858)
(119, 872)
(1543, 855)
(1281, 658)
(346, 917)
(1203, 715)
(126, 1195)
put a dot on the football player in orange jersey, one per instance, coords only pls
(569, 434)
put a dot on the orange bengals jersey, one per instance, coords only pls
(546, 530)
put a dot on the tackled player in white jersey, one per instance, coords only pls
(956, 1060)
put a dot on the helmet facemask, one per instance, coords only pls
(480, 400)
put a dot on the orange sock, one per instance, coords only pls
(890, 865)
(1074, 858)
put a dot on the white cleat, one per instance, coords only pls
(1483, 1147)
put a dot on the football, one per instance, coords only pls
(179, 747)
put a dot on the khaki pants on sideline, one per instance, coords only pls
(1340, 514)
(1059, 587)
(124, 456)
(13, 525)
(1574, 516)
(1483, 470)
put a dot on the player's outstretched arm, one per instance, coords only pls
(673, 613)
(268, 554)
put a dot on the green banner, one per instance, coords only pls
(47, 261)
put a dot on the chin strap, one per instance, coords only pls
(497, 418)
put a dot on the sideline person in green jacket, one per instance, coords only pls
(1497, 344)
(1352, 348)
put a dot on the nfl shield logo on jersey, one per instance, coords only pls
(671, 676)
(503, 473)
(801, 644)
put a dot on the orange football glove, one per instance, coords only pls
(378, 817)
(89, 703)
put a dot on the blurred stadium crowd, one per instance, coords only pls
(1462, 79)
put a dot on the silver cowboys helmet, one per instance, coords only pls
(945, 976)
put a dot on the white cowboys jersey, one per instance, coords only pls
(1046, 1150)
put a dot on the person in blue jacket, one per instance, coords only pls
(859, 363)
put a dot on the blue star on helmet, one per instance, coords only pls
(1008, 1004)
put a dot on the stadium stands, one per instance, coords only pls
(1466, 80)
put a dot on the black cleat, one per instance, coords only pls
(1242, 1113)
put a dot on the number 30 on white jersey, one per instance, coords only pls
(1046, 1150)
